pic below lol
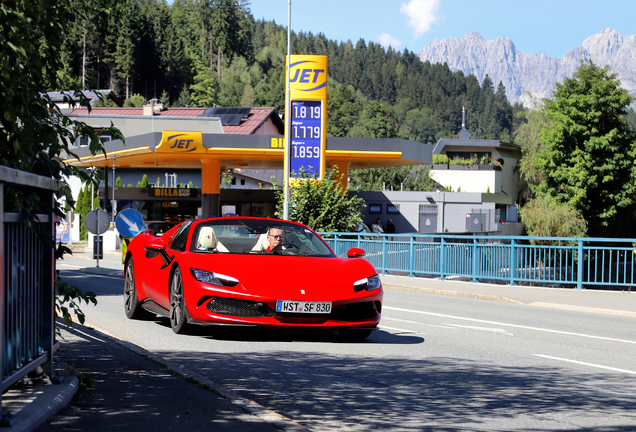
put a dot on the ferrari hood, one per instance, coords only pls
(288, 277)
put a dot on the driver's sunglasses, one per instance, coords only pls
(277, 237)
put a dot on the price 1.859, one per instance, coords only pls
(303, 152)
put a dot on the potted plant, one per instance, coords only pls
(440, 161)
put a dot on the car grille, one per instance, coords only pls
(239, 308)
(354, 312)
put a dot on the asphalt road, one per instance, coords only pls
(438, 363)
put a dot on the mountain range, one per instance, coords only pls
(535, 73)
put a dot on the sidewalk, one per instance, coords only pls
(622, 303)
(114, 385)
(135, 390)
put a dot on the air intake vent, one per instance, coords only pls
(239, 308)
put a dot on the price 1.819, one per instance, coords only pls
(302, 112)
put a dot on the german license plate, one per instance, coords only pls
(307, 307)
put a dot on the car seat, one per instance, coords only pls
(209, 241)
(262, 243)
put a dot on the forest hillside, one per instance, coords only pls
(213, 52)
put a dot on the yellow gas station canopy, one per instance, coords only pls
(187, 149)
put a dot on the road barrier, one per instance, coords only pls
(549, 261)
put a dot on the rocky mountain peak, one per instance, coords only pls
(536, 73)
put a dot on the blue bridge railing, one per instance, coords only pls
(579, 262)
(27, 282)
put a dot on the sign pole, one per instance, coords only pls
(96, 243)
(287, 139)
(113, 201)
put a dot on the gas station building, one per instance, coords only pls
(200, 143)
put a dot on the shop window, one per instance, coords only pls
(393, 209)
(375, 208)
(242, 182)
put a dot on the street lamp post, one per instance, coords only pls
(287, 145)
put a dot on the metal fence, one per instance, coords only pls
(27, 280)
(560, 261)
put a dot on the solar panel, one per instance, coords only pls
(226, 111)
(234, 120)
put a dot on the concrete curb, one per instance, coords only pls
(35, 409)
(450, 293)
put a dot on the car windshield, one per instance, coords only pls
(257, 236)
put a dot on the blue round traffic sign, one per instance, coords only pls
(129, 222)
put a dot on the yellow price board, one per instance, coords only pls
(308, 105)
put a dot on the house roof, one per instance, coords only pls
(443, 143)
(248, 124)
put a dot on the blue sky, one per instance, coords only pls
(551, 26)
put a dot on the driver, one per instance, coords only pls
(275, 236)
(267, 242)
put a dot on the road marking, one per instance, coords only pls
(417, 322)
(400, 330)
(485, 329)
(587, 364)
(510, 325)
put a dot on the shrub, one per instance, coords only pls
(544, 218)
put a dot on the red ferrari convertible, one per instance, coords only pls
(244, 271)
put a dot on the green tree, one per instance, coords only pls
(34, 134)
(533, 121)
(136, 100)
(81, 213)
(118, 182)
(545, 218)
(589, 157)
(407, 178)
(376, 121)
(204, 91)
(144, 181)
(343, 108)
(322, 205)
(630, 119)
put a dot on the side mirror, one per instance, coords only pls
(355, 253)
(158, 247)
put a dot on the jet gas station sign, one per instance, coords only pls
(308, 98)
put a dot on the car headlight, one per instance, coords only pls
(369, 284)
(213, 278)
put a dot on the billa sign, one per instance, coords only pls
(173, 192)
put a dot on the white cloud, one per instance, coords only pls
(387, 40)
(420, 14)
